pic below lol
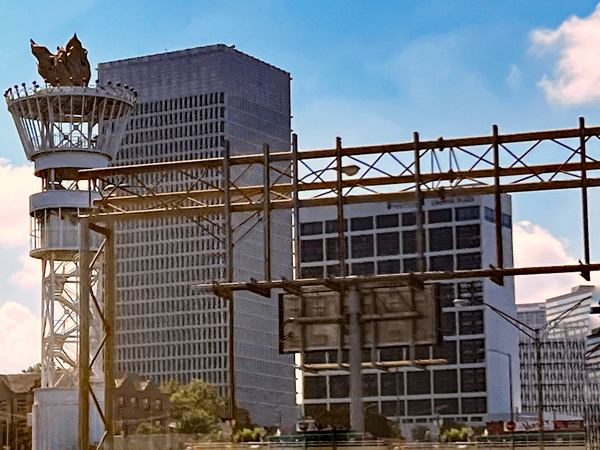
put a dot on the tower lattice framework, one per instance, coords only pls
(64, 129)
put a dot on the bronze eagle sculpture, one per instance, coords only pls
(68, 67)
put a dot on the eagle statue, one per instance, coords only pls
(68, 67)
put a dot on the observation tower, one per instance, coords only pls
(64, 128)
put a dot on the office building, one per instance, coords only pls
(566, 375)
(532, 314)
(190, 103)
(460, 234)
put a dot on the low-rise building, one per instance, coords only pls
(16, 401)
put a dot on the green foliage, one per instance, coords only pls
(196, 407)
(150, 428)
(247, 435)
(36, 368)
(454, 432)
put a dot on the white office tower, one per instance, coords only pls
(190, 103)
(62, 130)
(477, 342)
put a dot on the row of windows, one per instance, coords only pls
(174, 104)
(387, 244)
(133, 403)
(211, 306)
(408, 219)
(186, 348)
(460, 261)
(399, 383)
(471, 351)
(133, 337)
(163, 262)
(401, 407)
(177, 150)
(174, 132)
(182, 117)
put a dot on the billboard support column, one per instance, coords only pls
(357, 417)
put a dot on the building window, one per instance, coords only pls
(474, 405)
(440, 239)
(471, 322)
(409, 242)
(3, 406)
(468, 261)
(447, 294)
(370, 387)
(446, 350)
(310, 228)
(468, 236)
(387, 221)
(361, 223)
(440, 215)
(391, 353)
(393, 408)
(335, 270)
(331, 226)
(472, 380)
(388, 266)
(506, 221)
(419, 407)
(146, 403)
(392, 383)
(472, 291)
(339, 386)
(410, 265)
(120, 401)
(448, 324)
(388, 244)
(331, 249)
(311, 250)
(418, 382)
(133, 402)
(311, 272)
(314, 410)
(315, 387)
(317, 357)
(445, 381)
(409, 219)
(441, 263)
(446, 406)
(158, 404)
(466, 213)
(363, 269)
(489, 215)
(472, 351)
(362, 246)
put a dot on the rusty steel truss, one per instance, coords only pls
(406, 172)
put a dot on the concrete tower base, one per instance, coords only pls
(55, 419)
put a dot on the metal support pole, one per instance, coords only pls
(419, 212)
(341, 241)
(584, 198)
(109, 333)
(540, 391)
(295, 179)
(267, 210)
(84, 334)
(230, 278)
(357, 415)
(498, 206)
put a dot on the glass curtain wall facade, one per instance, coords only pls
(190, 102)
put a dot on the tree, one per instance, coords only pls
(196, 407)
(36, 368)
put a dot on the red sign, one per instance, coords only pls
(511, 425)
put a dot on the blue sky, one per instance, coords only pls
(371, 72)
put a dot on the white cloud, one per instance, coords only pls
(535, 246)
(30, 274)
(16, 185)
(514, 78)
(576, 76)
(20, 338)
